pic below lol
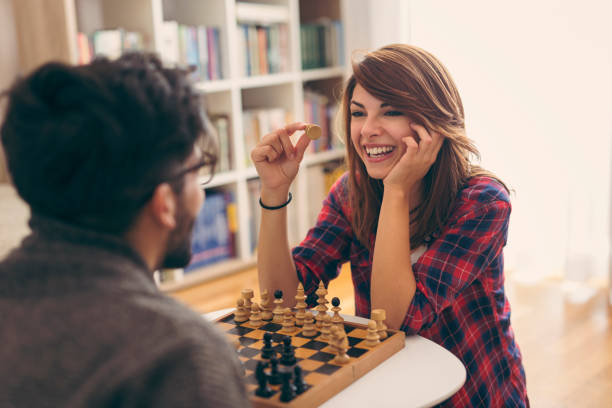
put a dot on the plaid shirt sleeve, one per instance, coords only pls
(474, 236)
(326, 246)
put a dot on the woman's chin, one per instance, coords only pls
(377, 174)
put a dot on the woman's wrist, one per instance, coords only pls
(275, 197)
(397, 192)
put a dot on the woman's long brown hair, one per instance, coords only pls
(415, 82)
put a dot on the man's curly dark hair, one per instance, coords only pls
(89, 144)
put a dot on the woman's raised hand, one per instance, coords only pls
(276, 159)
(417, 159)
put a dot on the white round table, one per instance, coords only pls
(422, 374)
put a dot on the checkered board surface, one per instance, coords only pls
(324, 377)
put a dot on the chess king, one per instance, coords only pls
(107, 156)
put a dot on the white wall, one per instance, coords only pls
(9, 62)
(535, 77)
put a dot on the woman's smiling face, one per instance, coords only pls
(377, 130)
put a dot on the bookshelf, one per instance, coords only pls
(243, 86)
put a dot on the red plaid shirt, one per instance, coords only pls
(459, 302)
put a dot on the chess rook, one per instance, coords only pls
(379, 316)
(313, 131)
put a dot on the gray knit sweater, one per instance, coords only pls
(82, 324)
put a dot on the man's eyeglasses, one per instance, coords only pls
(205, 168)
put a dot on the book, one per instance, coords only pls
(263, 49)
(212, 239)
(84, 49)
(203, 52)
(169, 48)
(322, 44)
(108, 43)
(221, 124)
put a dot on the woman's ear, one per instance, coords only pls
(162, 206)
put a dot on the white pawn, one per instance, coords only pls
(255, 318)
(288, 326)
(372, 338)
(309, 329)
(240, 315)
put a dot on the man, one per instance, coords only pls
(105, 155)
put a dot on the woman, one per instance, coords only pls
(423, 227)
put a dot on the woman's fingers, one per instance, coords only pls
(286, 143)
(301, 145)
(429, 143)
(293, 127)
(264, 153)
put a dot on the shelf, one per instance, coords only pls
(228, 97)
(207, 273)
(266, 80)
(213, 86)
(220, 179)
(321, 157)
(261, 13)
(322, 73)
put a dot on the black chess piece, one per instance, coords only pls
(298, 380)
(288, 354)
(267, 351)
(278, 294)
(287, 389)
(335, 302)
(275, 377)
(262, 379)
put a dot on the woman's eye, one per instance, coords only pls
(394, 113)
(356, 114)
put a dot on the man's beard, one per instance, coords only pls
(178, 250)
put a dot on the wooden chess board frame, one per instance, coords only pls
(340, 379)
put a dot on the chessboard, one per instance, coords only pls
(323, 376)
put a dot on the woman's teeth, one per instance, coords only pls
(378, 151)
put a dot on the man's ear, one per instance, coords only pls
(162, 206)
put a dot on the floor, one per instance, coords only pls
(565, 333)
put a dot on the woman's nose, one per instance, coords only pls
(371, 126)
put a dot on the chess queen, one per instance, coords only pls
(421, 223)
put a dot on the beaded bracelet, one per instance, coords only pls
(278, 207)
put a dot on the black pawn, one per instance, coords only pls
(287, 389)
(298, 380)
(262, 379)
(278, 294)
(275, 378)
(335, 302)
(267, 351)
(288, 355)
